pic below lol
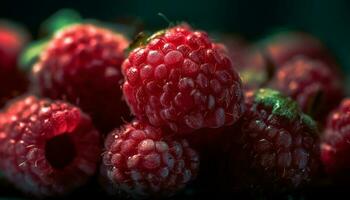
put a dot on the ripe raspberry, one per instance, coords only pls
(179, 79)
(82, 65)
(283, 46)
(275, 146)
(311, 83)
(141, 160)
(47, 148)
(12, 41)
(335, 147)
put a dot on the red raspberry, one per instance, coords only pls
(82, 65)
(275, 146)
(143, 161)
(47, 148)
(180, 79)
(311, 83)
(335, 147)
(283, 46)
(12, 41)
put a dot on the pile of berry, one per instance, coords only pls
(171, 114)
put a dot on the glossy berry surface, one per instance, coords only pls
(144, 162)
(47, 148)
(82, 65)
(179, 79)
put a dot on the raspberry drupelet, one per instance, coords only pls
(145, 162)
(275, 147)
(179, 79)
(82, 64)
(311, 83)
(335, 147)
(47, 148)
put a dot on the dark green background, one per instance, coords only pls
(329, 20)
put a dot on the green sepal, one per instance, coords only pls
(31, 54)
(283, 106)
(306, 119)
(155, 35)
(143, 39)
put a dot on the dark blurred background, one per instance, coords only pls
(328, 20)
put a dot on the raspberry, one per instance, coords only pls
(141, 160)
(179, 79)
(283, 46)
(82, 65)
(335, 145)
(311, 83)
(32, 134)
(274, 145)
(12, 41)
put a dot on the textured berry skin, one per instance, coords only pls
(275, 147)
(283, 46)
(12, 41)
(82, 65)
(144, 162)
(335, 147)
(47, 148)
(311, 83)
(183, 81)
